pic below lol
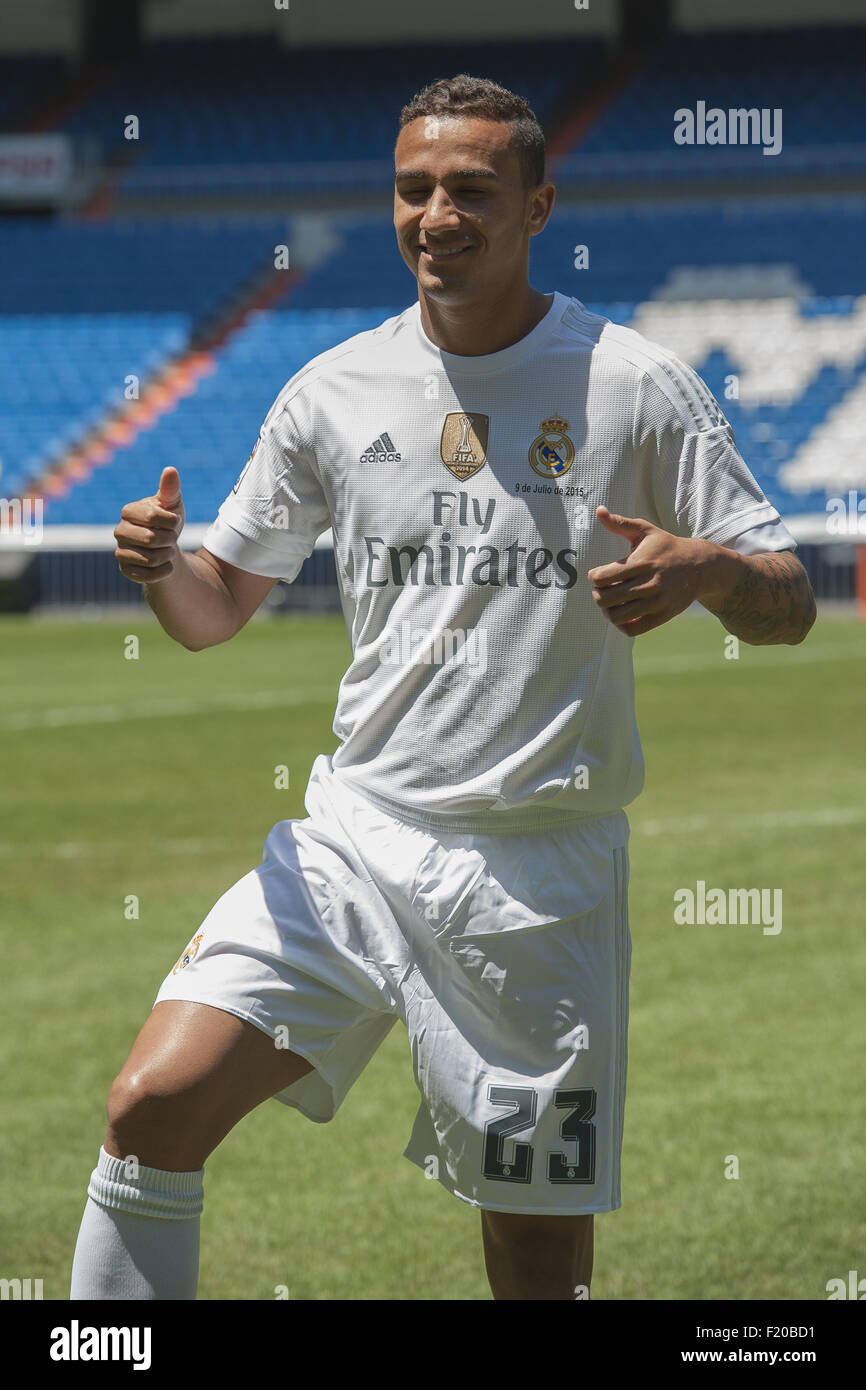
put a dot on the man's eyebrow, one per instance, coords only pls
(456, 174)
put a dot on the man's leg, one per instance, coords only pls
(537, 1257)
(192, 1073)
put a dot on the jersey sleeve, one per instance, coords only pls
(276, 511)
(699, 482)
(758, 540)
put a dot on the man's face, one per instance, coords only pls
(462, 213)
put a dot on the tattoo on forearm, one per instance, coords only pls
(772, 602)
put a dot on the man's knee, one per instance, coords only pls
(193, 1072)
(149, 1118)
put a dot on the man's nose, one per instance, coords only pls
(440, 212)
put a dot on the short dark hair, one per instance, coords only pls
(479, 96)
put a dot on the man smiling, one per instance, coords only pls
(484, 458)
(469, 193)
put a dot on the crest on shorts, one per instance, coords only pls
(189, 954)
(463, 447)
(552, 453)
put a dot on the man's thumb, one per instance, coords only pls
(633, 527)
(168, 492)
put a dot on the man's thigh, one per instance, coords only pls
(192, 1073)
(538, 1257)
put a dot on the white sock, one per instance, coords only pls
(139, 1236)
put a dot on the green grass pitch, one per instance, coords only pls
(155, 777)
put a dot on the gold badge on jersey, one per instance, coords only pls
(246, 465)
(463, 447)
(189, 954)
(552, 453)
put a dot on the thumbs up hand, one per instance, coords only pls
(148, 532)
(168, 492)
(661, 576)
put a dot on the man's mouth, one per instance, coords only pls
(444, 254)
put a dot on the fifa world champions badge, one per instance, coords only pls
(463, 447)
(552, 453)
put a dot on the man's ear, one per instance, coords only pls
(541, 206)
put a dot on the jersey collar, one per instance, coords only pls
(455, 364)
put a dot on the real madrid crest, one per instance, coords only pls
(246, 465)
(552, 453)
(189, 954)
(463, 447)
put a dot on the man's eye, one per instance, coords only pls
(414, 195)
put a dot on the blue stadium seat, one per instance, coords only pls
(60, 375)
(815, 76)
(93, 269)
(194, 109)
(210, 434)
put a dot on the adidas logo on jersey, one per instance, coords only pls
(381, 451)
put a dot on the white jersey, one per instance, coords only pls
(487, 690)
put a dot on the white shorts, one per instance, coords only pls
(506, 957)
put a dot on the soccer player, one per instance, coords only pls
(517, 489)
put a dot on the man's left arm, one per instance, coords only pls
(761, 599)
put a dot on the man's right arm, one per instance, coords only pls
(199, 599)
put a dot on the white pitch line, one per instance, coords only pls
(826, 816)
(82, 849)
(780, 655)
(69, 716)
(767, 820)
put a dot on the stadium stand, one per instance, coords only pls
(149, 266)
(782, 325)
(210, 433)
(22, 80)
(194, 112)
(59, 374)
(765, 296)
(814, 76)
